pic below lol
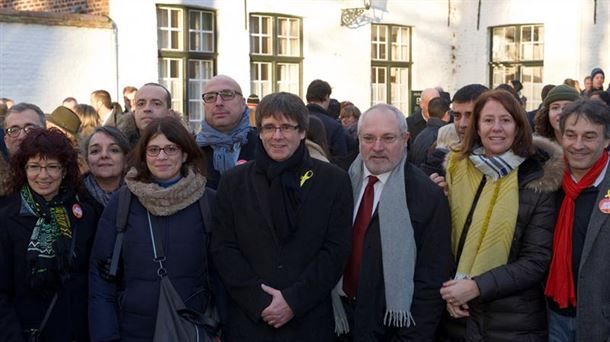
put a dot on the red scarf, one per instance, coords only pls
(560, 284)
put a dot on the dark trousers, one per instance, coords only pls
(380, 333)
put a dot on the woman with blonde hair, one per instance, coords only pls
(89, 119)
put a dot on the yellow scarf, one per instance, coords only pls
(490, 236)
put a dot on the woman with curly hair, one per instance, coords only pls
(546, 120)
(45, 243)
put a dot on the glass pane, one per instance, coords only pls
(399, 88)
(266, 25)
(163, 39)
(531, 77)
(502, 74)
(194, 69)
(208, 21)
(266, 45)
(195, 41)
(283, 27)
(194, 20)
(526, 33)
(294, 27)
(254, 24)
(208, 42)
(174, 68)
(162, 17)
(176, 18)
(503, 44)
(265, 71)
(175, 40)
(283, 48)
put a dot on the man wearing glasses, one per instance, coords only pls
(226, 137)
(20, 119)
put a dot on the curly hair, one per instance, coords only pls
(542, 125)
(47, 144)
(175, 132)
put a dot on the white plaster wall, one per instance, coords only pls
(45, 64)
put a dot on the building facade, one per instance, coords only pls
(370, 51)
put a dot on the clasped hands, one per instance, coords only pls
(457, 294)
(278, 312)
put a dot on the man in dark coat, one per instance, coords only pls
(437, 109)
(226, 137)
(318, 98)
(282, 232)
(580, 249)
(401, 250)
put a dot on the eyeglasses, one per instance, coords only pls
(170, 150)
(14, 131)
(225, 95)
(52, 169)
(284, 129)
(386, 139)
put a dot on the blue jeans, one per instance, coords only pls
(561, 328)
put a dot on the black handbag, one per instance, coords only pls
(175, 322)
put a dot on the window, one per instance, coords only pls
(275, 53)
(517, 52)
(186, 39)
(391, 65)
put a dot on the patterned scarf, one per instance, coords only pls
(495, 167)
(560, 284)
(48, 250)
(226, 146)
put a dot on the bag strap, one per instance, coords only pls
(157, 244)
(121, 225)
(206, 211)
(469, 219)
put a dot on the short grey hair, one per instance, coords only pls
(23, 106)
(400, 117)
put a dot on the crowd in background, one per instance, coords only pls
(286, 219)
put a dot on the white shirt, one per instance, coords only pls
(378, 188)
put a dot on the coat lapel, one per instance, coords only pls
(261, 187)
(598, 220)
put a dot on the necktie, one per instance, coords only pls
(363, 217)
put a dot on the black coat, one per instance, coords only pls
(247, 253)
(424, 141)
(246, 153)
(512, 306)
(23, 308)
(431, 223)
(415, 124)
(335, 133)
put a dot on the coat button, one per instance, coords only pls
(280, 267)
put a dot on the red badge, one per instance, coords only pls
(77, 211)
(604, 206)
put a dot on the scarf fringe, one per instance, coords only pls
(398, 319)
(341, 324)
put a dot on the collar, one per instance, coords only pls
(599, 178)
(383, 178)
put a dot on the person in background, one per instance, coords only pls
(252, 102)
(349, 119)
(67, 121)
(587, 83)
(502, 221)
(166, 183)
(601, 95)
(318, 98)
(316, 140)
(532, 113)
(89, 119)
(437, 118)
(547, 118)
(106, 152)
(45, 243)
(69, 102)
(129, 98)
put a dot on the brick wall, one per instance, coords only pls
(94, 7)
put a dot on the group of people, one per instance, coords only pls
(311, 226)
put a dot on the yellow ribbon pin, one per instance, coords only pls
(305, 177)
(608, 194)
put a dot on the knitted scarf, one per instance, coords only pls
(398, 249)
(99, 194)
(284, 188)
(495, 167)
(226, 146)
(162, 201)
(48, 251)
(491, 231)
(560, 283)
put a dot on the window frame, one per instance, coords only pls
(518, 63)
(389, 63)
(274, 58)
(187, 55)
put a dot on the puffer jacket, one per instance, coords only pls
(127, 310)
(511, 305)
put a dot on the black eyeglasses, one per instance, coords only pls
(284, 129)
(170, 150)
(14, 131)
(225, 95)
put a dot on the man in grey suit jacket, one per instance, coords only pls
(578, 285)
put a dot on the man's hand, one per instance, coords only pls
(278, 312)
(440, 181)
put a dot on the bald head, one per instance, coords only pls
(427, 95)
(224, 114)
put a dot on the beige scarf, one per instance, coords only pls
(162, 201)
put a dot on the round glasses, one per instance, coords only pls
(14, 131)
(51, 169)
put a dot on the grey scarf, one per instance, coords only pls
(398, 249)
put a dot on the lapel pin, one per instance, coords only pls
(77, 211)
(305, 177)
(604, 204)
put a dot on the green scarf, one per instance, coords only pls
(49, 247)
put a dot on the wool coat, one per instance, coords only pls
(247, 252)
(23, 308)
(511, 305)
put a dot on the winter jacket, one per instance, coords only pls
(511, 305)
(127, 309)
(23, 308)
